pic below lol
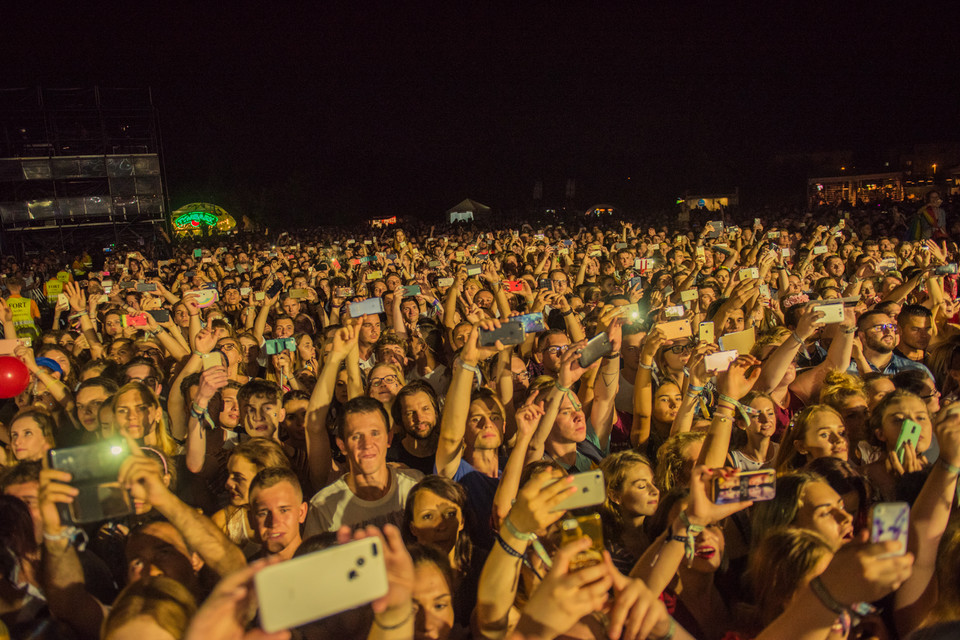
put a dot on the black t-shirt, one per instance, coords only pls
(398, 453)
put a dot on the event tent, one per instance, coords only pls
(467, 210)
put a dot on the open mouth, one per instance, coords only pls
(705, 553)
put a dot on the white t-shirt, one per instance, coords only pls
(336, 505)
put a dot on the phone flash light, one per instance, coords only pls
(116, 450)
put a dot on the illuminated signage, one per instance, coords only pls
(195, 219)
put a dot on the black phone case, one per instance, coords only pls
(509, 333)
(598, 347)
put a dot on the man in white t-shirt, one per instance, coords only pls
(371, 492)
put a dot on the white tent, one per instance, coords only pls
(467, 211)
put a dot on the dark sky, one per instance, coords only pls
(328, 110)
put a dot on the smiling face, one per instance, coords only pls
(822, 510)
(418, 415)
(763, 422)
(278, 511)
(365, 442)
(384, 384)
(240, 472)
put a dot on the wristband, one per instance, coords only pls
(571, 396)
(826, 598)
(516, 533)
(797, 338)
(847, 332)
(736, 404)
(954, 470)
(648, 367)
(690, 540)
(566, 313)
(693, 387)
(611, 356)
(508, 549)
(394, 626)
(671, 631)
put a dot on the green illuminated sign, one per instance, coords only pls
(195, 218)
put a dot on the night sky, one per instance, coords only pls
(316, 111)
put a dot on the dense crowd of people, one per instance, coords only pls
(759, 394)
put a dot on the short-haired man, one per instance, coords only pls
(278, 509)
(261, 408)
(371, 492)
(914, 323)
(878, 334)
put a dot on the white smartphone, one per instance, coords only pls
(350, 575)
(890, 521)
(832, 312)
(719, 361)
(590, 491)
(819, 249)
(750, 273)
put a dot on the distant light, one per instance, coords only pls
(116, 450)
(843, 168)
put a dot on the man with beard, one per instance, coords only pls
(878, 335)
(417, 410)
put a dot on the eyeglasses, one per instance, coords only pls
(557, 350)
(150, 381)
(385, 380)
(934, 394)
(227, 346)
(522, 376)
(681, 348)
(884, 328)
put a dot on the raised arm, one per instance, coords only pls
(643, 390)
(928, 522)
(453, 424)
(602, 412)
(733, 384)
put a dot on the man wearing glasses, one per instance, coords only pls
(878, 334)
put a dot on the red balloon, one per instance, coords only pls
(14, 376)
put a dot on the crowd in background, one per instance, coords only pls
(279, 395)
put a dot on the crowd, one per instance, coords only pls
(759, 395)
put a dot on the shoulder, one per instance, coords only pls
(407, 476)
(331, 491)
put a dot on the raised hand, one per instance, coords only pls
(735, 382)
(533, 510)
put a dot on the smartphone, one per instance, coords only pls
(909, 432)
(590, 491)
(189, 275)
(832, 312)
(690, 295)
(205, 297)
(197, 253)
(146, 286)
(887, 264)
(573, 529)
(773, 234)
(509, 333)
(374, 275)
(278, 345)
(531, 322)
(433, 264)
(543, 284)
(245, 291)
(629, 312)
(676, 329)
(819, 249)
(366, 307)
(638, 280)
(945, 270)
(298, 294)
(345, 292)
(890, 521)
(719, 361)
(95, 469)
(8, 345)
(127, 284)
(411, 290)
(474, 269)
(597, 347)
(749, 273)
(356, 575)
(619, 245)
(134, 321)
(764, 291)
(717, 228)
(274, 289)
(701, 252)
(211, 360)
(259, 296)
(674, 311)
(512, 286)
(160, 315)
(444, 282)
(739, 486)
(705, 332)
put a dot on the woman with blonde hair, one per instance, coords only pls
(815, 432)
(384, 383)
(137, 411)
(676, 458)
(154, 607)
(845, 393)
(246, 460)
(631, 496)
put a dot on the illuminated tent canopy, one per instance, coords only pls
(198, 217)
(467, 211)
